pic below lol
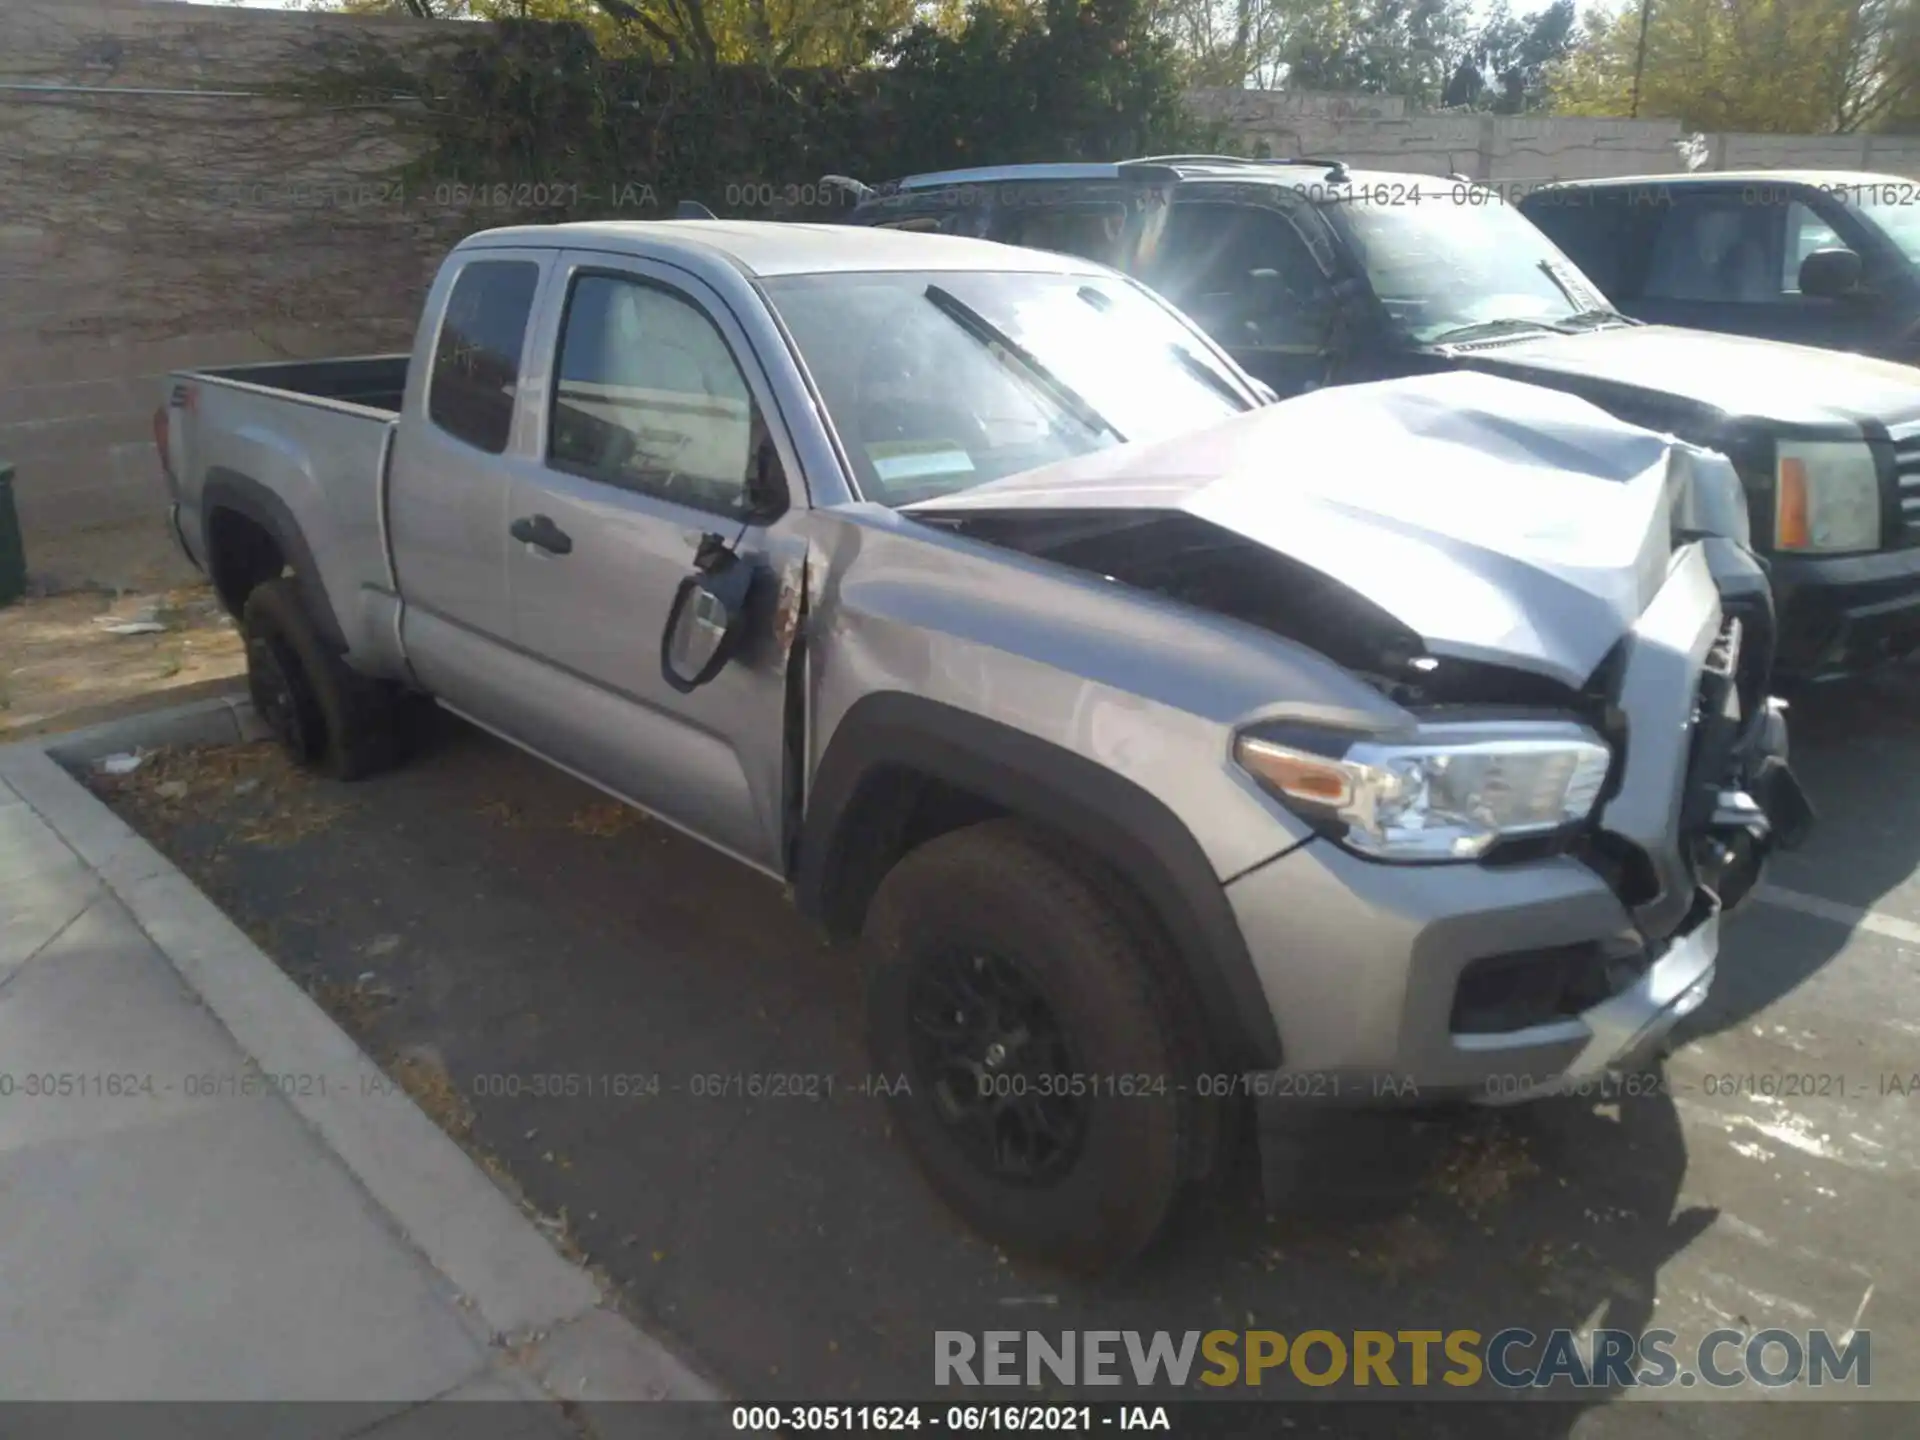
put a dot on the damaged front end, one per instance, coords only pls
(1484, 555)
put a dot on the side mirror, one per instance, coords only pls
(1830, 273)
(707, 617)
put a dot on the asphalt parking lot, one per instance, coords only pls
(480, 922)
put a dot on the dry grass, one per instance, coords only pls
(422, 1074)
(1484, 1168)
(273, 802)
(604, 821)
(355, 1007)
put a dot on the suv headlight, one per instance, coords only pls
(1447, 794)
(1826, 496)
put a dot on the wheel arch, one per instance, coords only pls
(235, 567)
(874, 777)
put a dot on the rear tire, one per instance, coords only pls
(328, 717)
(995, 962)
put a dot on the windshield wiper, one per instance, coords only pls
(997, 342)
(1483, 328)
(1595, 319)
(1207, 375)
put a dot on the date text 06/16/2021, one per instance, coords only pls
(958, 1419)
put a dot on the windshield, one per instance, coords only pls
(1458, 260)
(938, 382)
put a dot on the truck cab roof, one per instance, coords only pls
(759, 248)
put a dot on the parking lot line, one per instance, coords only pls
(1851, 916)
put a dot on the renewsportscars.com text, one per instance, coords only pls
(1510, 1359)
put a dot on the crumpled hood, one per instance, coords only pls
(1497, 521)
(1737, 375)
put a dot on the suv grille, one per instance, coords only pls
(1906, 473)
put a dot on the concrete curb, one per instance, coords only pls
(529, 1296)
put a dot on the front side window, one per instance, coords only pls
(1719, 247)
(648, 396)
(476, 361)
(1459, 262)
(938, 381)
(1806, 233)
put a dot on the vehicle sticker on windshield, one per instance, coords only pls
(917, 459)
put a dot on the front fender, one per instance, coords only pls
(890, 733)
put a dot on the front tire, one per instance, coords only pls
(1048, 1063)
(326, 716)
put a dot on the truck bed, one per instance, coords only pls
(375, 382)
(298, 449)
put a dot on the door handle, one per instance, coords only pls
(540, 531)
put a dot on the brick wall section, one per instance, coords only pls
(141, 234)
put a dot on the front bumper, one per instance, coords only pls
(1372, 964)
(1844, 614)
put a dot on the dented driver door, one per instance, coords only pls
(655, 413)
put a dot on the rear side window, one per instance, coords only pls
(1245, 274)
(476, 364)
(1089, 232)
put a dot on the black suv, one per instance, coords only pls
(1314, 274)
(1817, 257)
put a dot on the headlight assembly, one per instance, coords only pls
(1448, 793)
(1826, 496)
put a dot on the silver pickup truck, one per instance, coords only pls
(1163, 747)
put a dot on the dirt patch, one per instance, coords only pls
(77, 658)
(605, 821)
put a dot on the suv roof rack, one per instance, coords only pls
(1065, 171)
(1315, 160)
(1201, 159)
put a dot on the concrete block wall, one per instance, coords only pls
(142, 233)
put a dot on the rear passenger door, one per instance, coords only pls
(448, 479)
(1252, 280)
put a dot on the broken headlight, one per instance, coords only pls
(1448, 793)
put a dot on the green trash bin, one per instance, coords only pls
(13, 554)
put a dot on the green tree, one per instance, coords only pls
(1078, 79)
(1409, 48)
(1226, 43)
(1792, 66)
(1509, 59)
